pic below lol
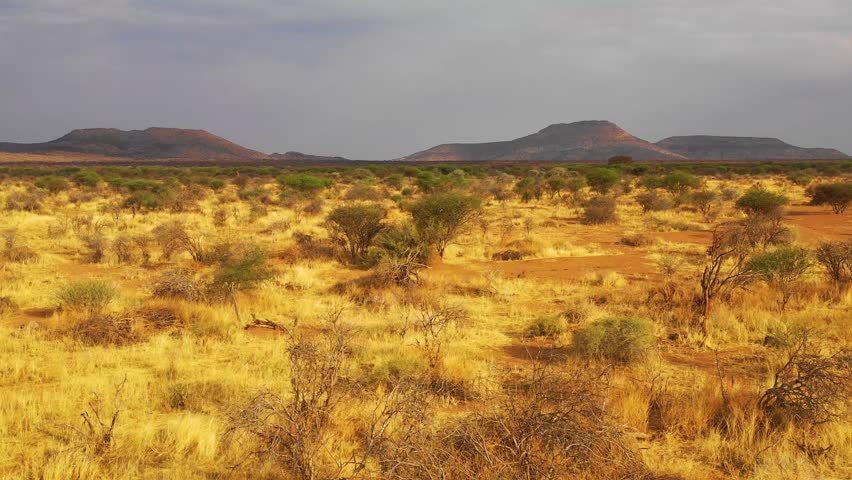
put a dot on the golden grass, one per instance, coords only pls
(183, 383)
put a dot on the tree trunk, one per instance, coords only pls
(233, 293)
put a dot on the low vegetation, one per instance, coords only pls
(627, 320)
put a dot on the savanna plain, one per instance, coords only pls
(472, 321)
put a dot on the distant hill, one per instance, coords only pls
(707, 147)
(152, 143)
(586, 140)
(304, 157)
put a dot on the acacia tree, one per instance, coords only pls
(243, 274)
(836, 258)
(837, 195)
(440, 218)
(356, 226)
(679, 182)
(762, 203)
(602, 180)
(782, 269)
(726, 267)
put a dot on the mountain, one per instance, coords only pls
(153, 143)
(706, 147)
(304, 157)
(586, 140)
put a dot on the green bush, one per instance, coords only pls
(837, 195)
(91, 296)
(759, 202)
(617, 340)
(356, 226)
(52, 183)
(304, 183)
(679, 182)
(392, 370)
(550, 327)
(602, 180)
(440, 218)
(653, 202)
(86, 178)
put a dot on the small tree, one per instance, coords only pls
(782, 269)
(704, 201)
(837, 195)
(726, 267)
(836, 258)
(440, 218)
(678, 182)
(651, 201)
(761, 203)
(355, 226)
(555, 185)
(243, 274)
(602, 180)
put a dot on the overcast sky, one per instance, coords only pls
(379, 79)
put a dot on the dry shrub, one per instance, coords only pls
(178, 283)
(186, 199)
(105, 330)
(143, 244)
(545, 424)
(809, 387)
(96, 245)
(13, 251)
(618, 340)
(307, 248)
(160, 316)
(220, 217)
(599, 210)
(7, 305)
(636, 240)
(24, 201)
(278, 226)
(313, 207)
(122, 247)
(507, 255)
(171, 237)
(577, 312)
(297, 431)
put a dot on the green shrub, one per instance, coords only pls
(759, 202)
(391, 370)
(837, 195)
(550, 327)
(440, 218)
(356, 226)
(52, 183)
(679, 182)
(86, 178)
(653, 202)
(304, 183)
(617, 340)
(601, 180)
(91, 296)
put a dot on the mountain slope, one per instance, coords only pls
(586, 140)
(707, 147)
(152, 143)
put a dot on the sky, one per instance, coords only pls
(380, 79)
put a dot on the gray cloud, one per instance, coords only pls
(383, 78)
